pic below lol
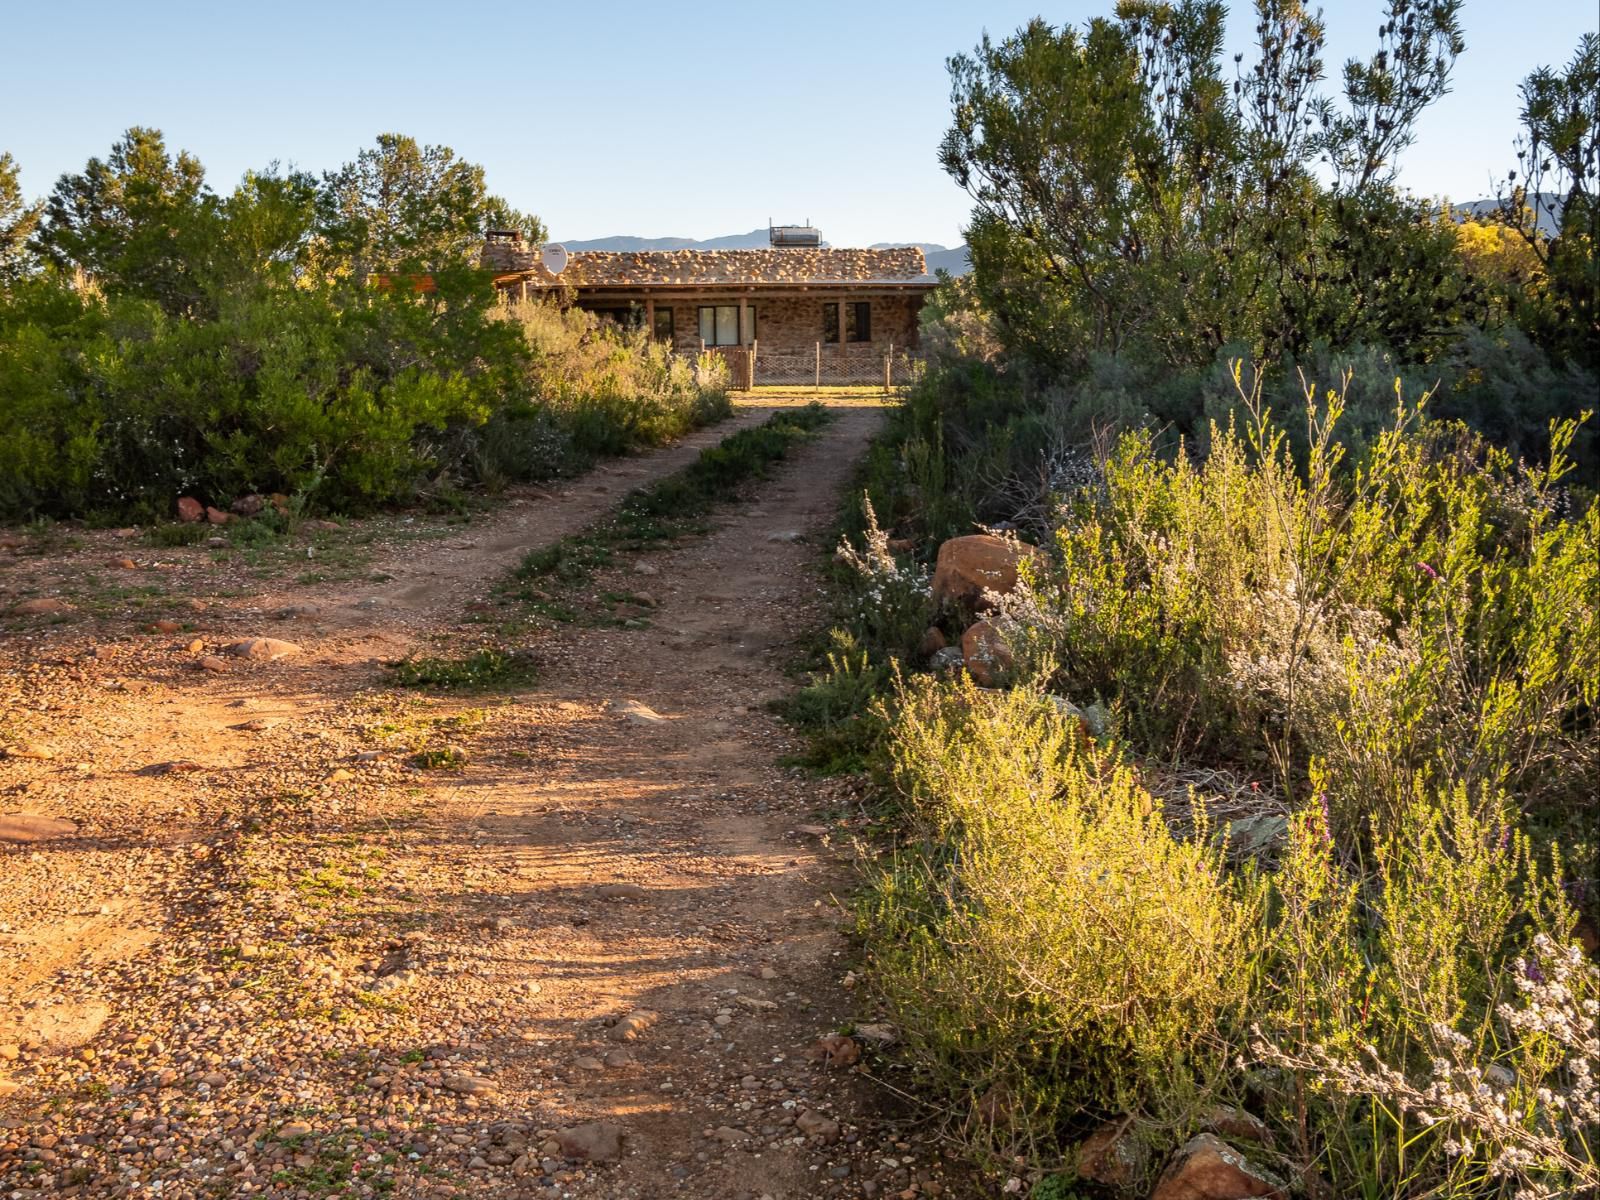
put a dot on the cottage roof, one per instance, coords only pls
(790, 265)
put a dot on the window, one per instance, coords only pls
(858, 322)
(830, 323)
(663, 327)
(719, 324)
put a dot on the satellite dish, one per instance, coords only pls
(554, 258)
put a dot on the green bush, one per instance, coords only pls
(1053, 954)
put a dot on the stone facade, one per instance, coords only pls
(792, 324)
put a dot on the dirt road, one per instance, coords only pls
(314, 936)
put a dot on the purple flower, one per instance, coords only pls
(1431, 573)
(1532, 971)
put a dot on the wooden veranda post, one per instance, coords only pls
(818, 383)
(888, 360)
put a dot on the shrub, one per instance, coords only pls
(1052, 952)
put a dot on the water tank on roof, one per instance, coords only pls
(794, 235)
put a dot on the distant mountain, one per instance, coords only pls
(1547, 207)
(939, 257)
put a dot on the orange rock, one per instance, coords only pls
(932, 642)
(1207, 1168)
(967, 567)
(1110, 1155)
(217, 517)
(190, 510)
(987, 657)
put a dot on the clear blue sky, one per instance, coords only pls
(654, 119)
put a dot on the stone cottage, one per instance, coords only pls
(791, 312)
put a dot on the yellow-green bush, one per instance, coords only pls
(1052, 952)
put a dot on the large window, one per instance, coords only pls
(830, 322)
(719, 324)
(663, 323)
(858, 322)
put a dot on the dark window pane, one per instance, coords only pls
(830, 322)
(663, 326)
(858, 322)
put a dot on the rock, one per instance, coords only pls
(632, 1025)
(597, 1141)
(254, 725)
(33, 750)
(1210, 1169)
(985, 654)
(178, 766)
(932, 642)
(212, 663)
(248, 506)
(165, 626)
(10, 1052)
(644, 568)
(946, 659)
(729, 1135)
(293, 1129)
(618, 1058)
(814, 1124)
(813, 830)
(881, 1032)
(967, 567)
(621, 891)
(263, 649)
(785, 536)
(468, 1085)
(122, 564)
(835, 1050)
(280, 502)
(588, 1062)
(638, 713)
(190, 510)
(217, 517)
(43, 606)
(195, 646)
(1111, 1155)
(1229, 1122)
(31, 827)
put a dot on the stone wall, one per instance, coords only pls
(793, 325)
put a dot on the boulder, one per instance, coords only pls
(596, 1141)
(985, 654)
(967, 567)
(248, 506)
(217, 517)
(190, 510)
(1207, 1168)
(932, 642)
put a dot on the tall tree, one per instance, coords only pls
(1558, 175)
(130, 220)
(17, 223)
(404, 206)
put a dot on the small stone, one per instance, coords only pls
(195, 646)
(190, 510)
(122, 564)
(728, 1134)
(786, 536)
(618, 1058)
(293, 1129)
(596, 1141)
(835, 1050)
(815, 1124)
(878, 1031)
(213, 664)
(43, 606)
(29, 827)
(621, 891)
(468, 1085)
(263, 649)
(638, 713)
(588, 1062)
(165, 626)
(217, 517)
(631, 1026)
(34, 750)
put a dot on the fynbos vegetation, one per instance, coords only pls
(1273, 822)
